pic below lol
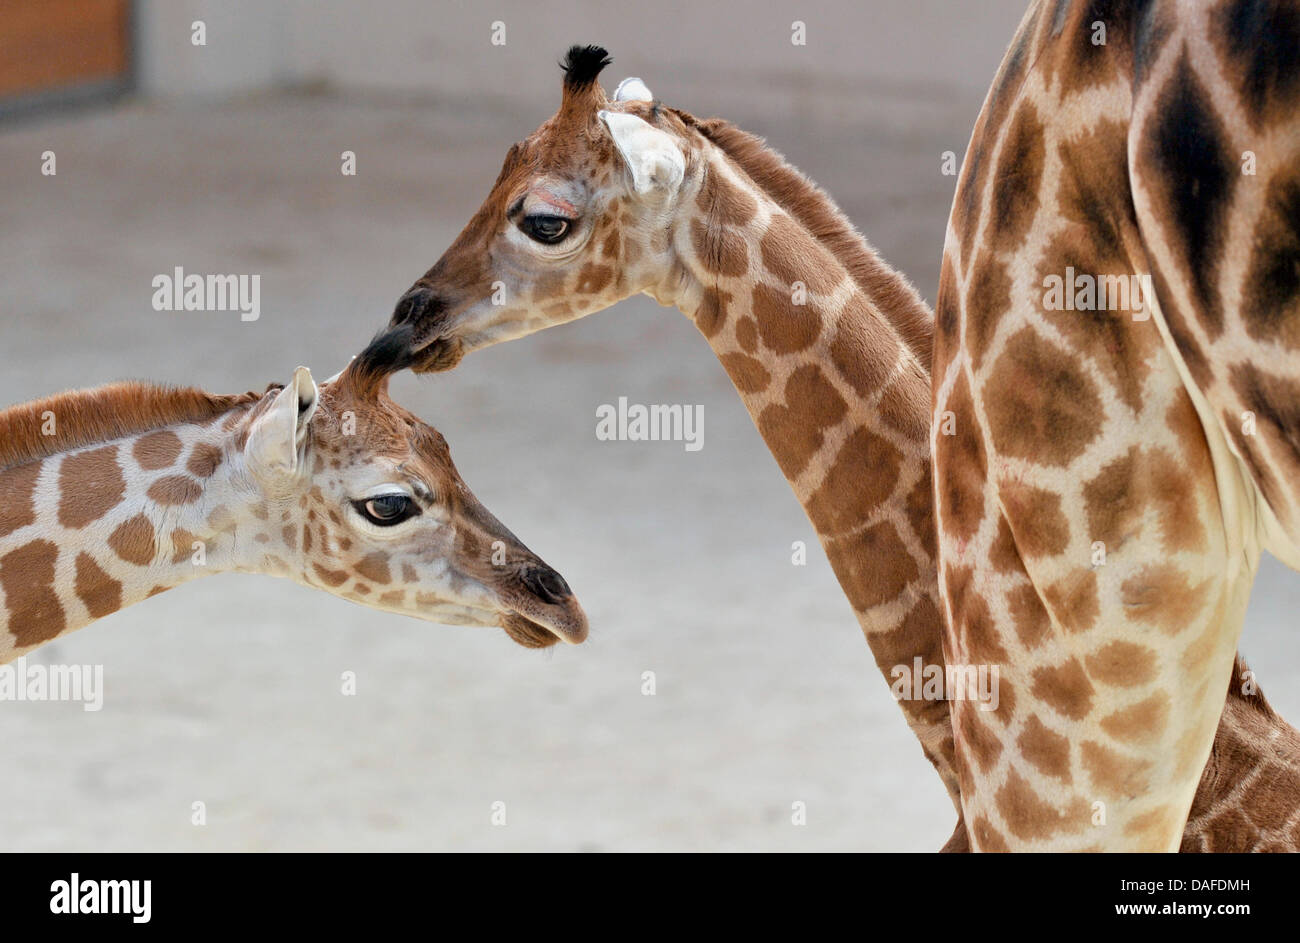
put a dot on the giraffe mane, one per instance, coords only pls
(102, 414)
(813, 208)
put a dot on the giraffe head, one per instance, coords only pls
(361, 499)
(581, 216)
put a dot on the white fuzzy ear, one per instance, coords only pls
(652, 157)
(277, 435)
(632, 90)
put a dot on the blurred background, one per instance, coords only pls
(224, 157)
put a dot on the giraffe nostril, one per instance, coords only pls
(546, 584)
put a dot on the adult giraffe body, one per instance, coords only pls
(112, 495)
(827, 346)
(1113, 474)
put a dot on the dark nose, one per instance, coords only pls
(546, 584)
(420, 307)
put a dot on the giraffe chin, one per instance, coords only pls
(438, 355)
(528, 633)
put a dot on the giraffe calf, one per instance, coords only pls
(111, 495)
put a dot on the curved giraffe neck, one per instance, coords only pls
(829, 350)
(884, 334)
(95, 519)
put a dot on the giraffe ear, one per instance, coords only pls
(276, 436)
(632, 90)
(653, 158)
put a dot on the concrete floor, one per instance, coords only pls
(226, 690)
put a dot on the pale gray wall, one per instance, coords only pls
(444, 48)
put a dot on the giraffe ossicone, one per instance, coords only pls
(111, 495)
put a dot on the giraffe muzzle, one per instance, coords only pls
(544, 610)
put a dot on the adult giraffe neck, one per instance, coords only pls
(829, 350)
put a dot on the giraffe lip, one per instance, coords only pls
(437, 354)
(537, 624)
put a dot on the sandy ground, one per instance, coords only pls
(227, 690)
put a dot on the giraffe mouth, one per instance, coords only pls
(438, 355)
(524, 631)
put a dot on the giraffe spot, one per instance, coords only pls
(719, 251)
(1272, 303)
(393, 598)
(27, 577)
(960, 465)
(970, 187)
(17, 486)
(794, 432)
(1065, 688)
(289, 535)
(1028, 615)
(792, 255)
(1140, 722)
(98, 592)
(1257, 43)
(1029, 816)
(1036, 518)
(987, 838)
(90, 483)
(977, 738)
(408, 574)
(747, 334)
(873, 567)
(1073, 600)
(904, 405)
(609, 248)
(973, 622)
(306, 538)
(1072, 59)
(334, 578)
(183, 545)
(920, 512)
(862, 476)
(593, 278)
(988, 299)
(156, 590)
(784, 326)
(712, 312)
(749, 375)
(175, 490)
(1160, 594)
(205, 458)
(1113, 773)
(1275, 447)
(1047, 751)
(723, 202)
(860, 349)
(1122, 664)
(133, 540)
(1040, 406)
(157, 450)
(1019, 177)
(374, 567)
(1002, 552)
(1191, 175)
(947, 311)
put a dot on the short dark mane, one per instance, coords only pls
(818, 213)
(581, 65)
(84, 417)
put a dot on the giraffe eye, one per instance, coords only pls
(547, 229)
(387, 509)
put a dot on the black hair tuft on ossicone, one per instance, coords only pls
(581, 65)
